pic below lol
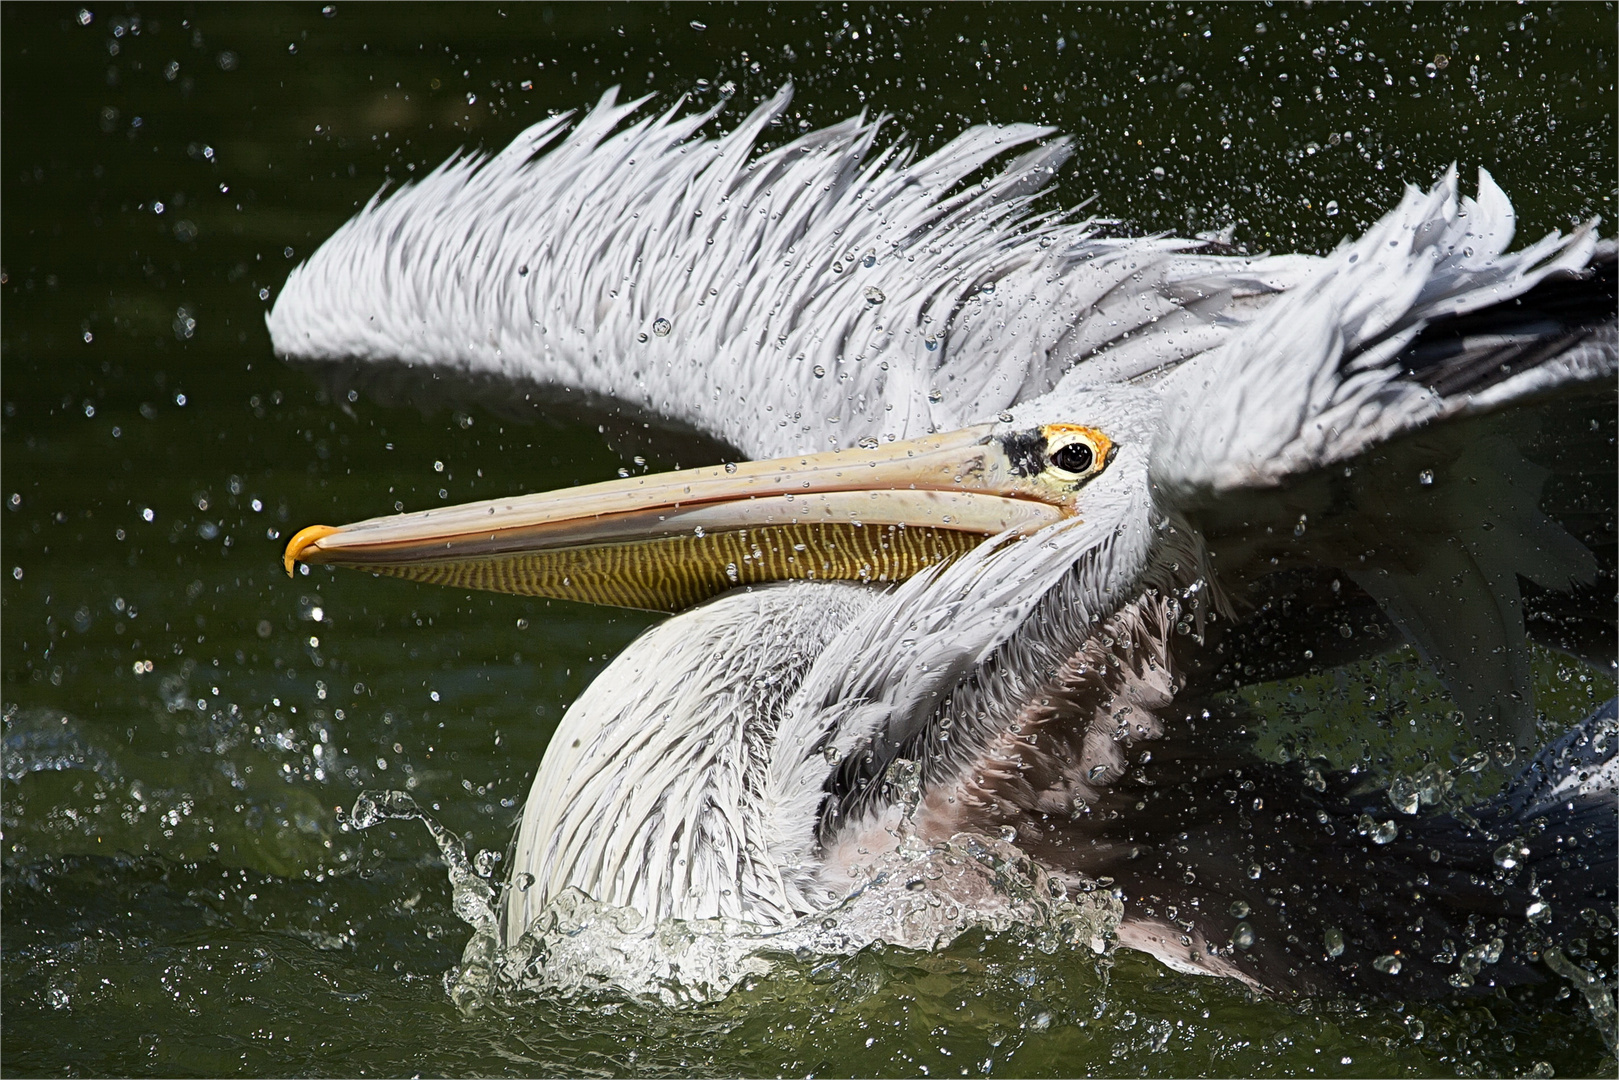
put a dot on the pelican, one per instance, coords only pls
(1016, 499)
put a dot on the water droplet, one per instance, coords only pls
(1243, 936)
(819, 371)
(1097, 772)
(1425, 477)
(1511, 854)
(869, 259)
(730, 571)
(874, 295)
(935, 396)
(1404, 795)
(1333, 939)
(730, 466)
(1385, 833)
(1008, 833)
(523, 882)
(903, 778)
(642, 338)
(1538, 912)
(832, 754)
(372, 807)
(932, 343)
(1332, 207)
(661, 327)
(1240, 909)
(1388, 965)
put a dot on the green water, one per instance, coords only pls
(182, 721)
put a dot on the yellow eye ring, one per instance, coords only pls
(1074, 452)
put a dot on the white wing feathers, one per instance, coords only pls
(1315, 379)
(814, 295)
(754, 296)
(1312, 379)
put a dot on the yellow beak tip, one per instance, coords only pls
(300, 543)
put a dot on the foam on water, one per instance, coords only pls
(913, 896)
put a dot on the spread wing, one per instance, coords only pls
(829, 290)
(1381, 420)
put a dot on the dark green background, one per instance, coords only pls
(178, 896)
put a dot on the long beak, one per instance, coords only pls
(668, 541)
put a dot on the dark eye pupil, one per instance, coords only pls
(1075, 457)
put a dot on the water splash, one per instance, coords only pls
(1596, 992)
(45, 740)
(915, 896)
(472, 897)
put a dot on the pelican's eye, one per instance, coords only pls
(1075, 457)
(1075, 453)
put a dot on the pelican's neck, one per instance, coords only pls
(939, 669)
(652, 792)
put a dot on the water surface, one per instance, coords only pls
(182, 722)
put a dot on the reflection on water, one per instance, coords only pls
(182, 723)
